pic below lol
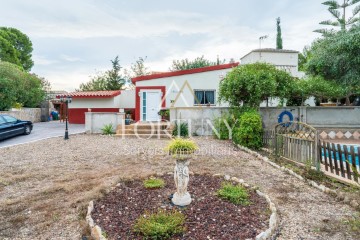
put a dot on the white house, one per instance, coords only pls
(282, 59)
(187, 88)
(98, 101)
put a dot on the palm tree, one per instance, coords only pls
(336, 9)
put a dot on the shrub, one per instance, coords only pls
(108, 129)
(249, 134)
(226, 121)
(154, 183)
(235, 194)
(181, 129)
(160, 225)
(180, 145)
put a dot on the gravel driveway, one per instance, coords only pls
(45, 186)
(43, 130)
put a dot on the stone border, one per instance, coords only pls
(96, 231)
(274, 217)
(97, 234)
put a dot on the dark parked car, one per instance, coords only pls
(10, 126)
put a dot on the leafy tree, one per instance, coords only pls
(304, 57)
(279, 42)
(335, 8)
(198, 62)
(249, 85)
(110, 80)
(138, 68)
(18, 86)
(336, 59)
(16, 47)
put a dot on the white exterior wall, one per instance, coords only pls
(204, 81)
(113, 102)
(285, 61)
(94, 122)
(127, 99)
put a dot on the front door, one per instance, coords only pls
(151, 104)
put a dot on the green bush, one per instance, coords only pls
(108, 129)
(154, 183)
(249, 134)
(180, 145)
(160, 225)
(181, 130)
(234, 193)
(226, 121)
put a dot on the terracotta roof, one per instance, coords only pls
(184, 72)
(92, 94)
(271, 50)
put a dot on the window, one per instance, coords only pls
(9, 119)
(204, 97)
(2, 121)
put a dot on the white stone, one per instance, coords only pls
(182, 200)
(227, 177)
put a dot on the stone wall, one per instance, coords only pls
(26, 114)
(201, 119)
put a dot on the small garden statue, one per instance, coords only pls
(182, 150)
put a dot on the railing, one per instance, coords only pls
(340, 159)
(301, 143)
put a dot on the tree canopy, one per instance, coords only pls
(249, 85)
(336, 58)
(198, 62)
(339, 13)
(110, 80)
(18, 86)
(16, 48)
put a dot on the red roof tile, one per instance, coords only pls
(92, 94)
(184, 72)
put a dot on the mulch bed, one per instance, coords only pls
(206, 217)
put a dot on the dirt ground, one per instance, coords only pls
(45, 186)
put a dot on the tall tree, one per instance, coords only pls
(110, 80)
(138, 68)
(279, 41)
(20, 45)
(18, 86)
(336, 58)
(339, 12)
(198, 62)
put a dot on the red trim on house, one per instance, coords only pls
(184, 72)
(77, 115)
(137, 98)
(92, 94)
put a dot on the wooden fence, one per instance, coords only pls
(340, 159)
(302, 143)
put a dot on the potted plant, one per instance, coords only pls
(128, 117)
(182, 150)
(165, 114)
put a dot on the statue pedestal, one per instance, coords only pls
(183, 200)
(181, 178)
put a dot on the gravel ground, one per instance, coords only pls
(45, 186)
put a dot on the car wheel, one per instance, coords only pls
(27, 130)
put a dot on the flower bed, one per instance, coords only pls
(208, 216)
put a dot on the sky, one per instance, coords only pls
(73, 40)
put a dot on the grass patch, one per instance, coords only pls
(160, 225)
(234, 193)
(354, 223)
(154, 183)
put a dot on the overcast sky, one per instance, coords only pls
(74, 39)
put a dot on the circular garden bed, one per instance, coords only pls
(207, 217)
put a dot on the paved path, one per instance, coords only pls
(41, 131)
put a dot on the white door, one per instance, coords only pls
(151, 106)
